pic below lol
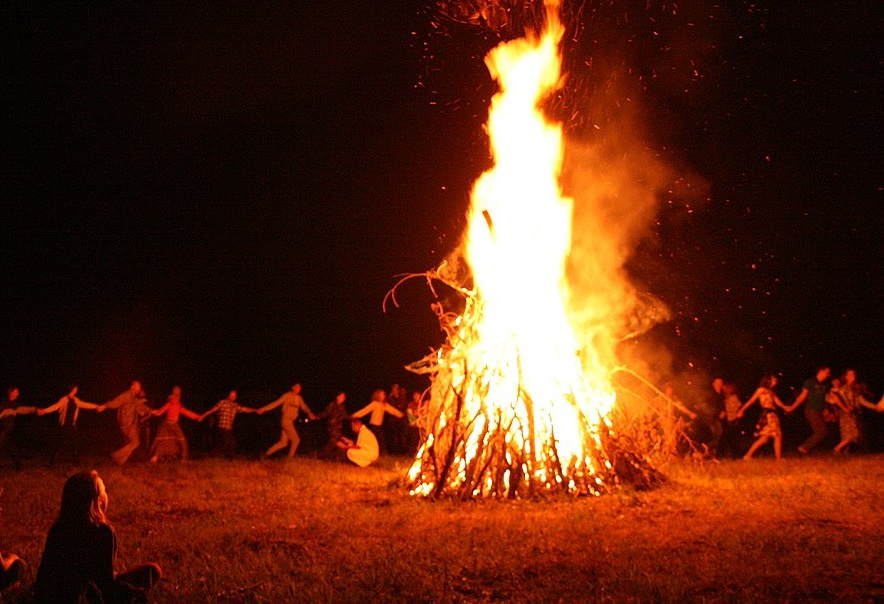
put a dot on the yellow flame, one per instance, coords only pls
(518, 241)
(537, 387)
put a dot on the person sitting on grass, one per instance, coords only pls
(364, 451)
(81, 547)
(11, 568)
(227, 410)
(768, 426)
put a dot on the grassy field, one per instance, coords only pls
(802, 530)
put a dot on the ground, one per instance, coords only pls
(799, 530)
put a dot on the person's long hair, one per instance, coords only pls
(767, 381)
(82, 501)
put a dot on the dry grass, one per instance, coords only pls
(801, 530)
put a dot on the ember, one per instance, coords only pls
(519, 405)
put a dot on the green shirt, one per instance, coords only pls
(816, 394)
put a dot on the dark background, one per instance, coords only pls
(221, 197)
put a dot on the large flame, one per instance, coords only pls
(517, 402)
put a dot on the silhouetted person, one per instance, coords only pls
(68, 409)
(11, 568)
(81, 547)
(336, 414)
(8, 410)
(813, 396)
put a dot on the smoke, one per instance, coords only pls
(615, 182)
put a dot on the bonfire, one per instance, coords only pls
(521, 401)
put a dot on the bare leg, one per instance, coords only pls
(278, 446)
(762, 440)
(778, 446)
(294, 439)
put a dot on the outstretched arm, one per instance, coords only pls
(116, 402)
(799, 399)
(393, 410)
(52, 408)
(748, 403)
(781, 404)
(210, 412)
(190, 414)
(364, 411)
(307, 410)
(84, 404)
(866, 403)
(271, 406)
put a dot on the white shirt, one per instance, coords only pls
(366, 451)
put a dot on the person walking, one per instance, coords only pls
(813, 397)
(292, 404)
(131, 406)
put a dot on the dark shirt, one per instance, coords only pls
(337, 415)
(78, 566)
(816, 394)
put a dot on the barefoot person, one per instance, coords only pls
(768, 426)
(81, 547)
(292, 404)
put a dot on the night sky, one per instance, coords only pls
(221, 197)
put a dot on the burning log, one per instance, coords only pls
(486, 441)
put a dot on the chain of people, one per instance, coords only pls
(391, 422)
(737, 428)
(388, 422)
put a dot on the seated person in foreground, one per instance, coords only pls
(364, 451)
(78, 560)
(11, 568)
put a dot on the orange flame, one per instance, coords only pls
(515, 374)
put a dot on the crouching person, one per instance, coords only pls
(78, 560)
(364, 451)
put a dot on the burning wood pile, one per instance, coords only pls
(521, 402)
